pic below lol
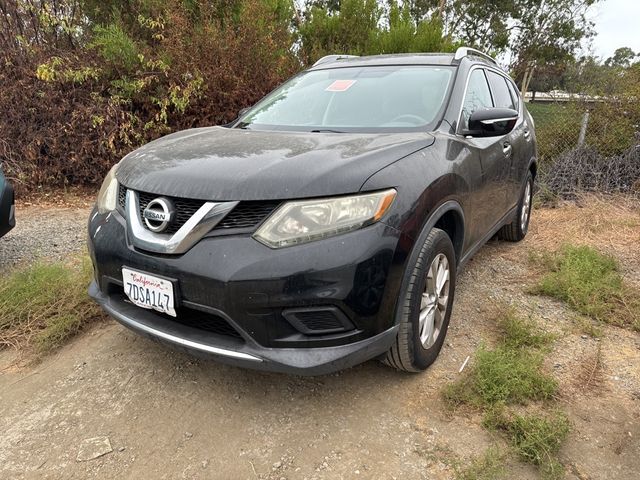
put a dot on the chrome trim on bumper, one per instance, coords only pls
(177, 340)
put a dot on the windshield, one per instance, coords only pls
(355, 99)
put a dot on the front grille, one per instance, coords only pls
(185, 208)
(188, 317)
(245, 215)
(122, 196)
(248, 214)
(204, 321)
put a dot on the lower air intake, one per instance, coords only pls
(318, 320)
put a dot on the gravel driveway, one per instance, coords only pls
(44, 232)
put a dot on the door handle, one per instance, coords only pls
(506, 149)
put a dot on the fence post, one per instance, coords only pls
(583, 129)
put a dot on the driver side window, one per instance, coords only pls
(477, 96)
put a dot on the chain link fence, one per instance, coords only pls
(586, 145)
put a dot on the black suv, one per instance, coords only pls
(326, 225)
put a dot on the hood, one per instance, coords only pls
(217, 163)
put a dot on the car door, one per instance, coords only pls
(489, 198)
(515, 142)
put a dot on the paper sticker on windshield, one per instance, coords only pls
(340, 86)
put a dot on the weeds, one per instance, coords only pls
(489, 466)
(589, 326)
(537, 438)
(590, 283)
(504, 375)
(520, 333)
(512, 374)
(42, 305)
(589, 375)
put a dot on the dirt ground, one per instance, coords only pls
(168, 415)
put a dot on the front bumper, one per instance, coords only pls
(252, 287)
(300, 361)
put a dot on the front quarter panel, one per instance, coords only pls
(424, 181)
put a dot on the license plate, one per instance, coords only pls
(149, 291)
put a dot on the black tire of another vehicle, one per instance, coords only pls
(517, 229)
(408, 352)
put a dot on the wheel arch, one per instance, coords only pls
(448, 217)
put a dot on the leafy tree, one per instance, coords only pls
(362, 27)
(622, 58)
(480, 23)
(348, 30)
(547, 31)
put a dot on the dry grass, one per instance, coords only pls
(589, 376)
(44, 304)
(489, 466)
(611, 223)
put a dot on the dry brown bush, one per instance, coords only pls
(72, 107)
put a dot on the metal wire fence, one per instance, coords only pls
(586, 146)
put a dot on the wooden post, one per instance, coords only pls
(583, 129)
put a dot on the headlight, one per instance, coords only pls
(308, 220)
(108, 196)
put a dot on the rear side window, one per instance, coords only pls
(477, 96)
(514, 94)
(501, 95)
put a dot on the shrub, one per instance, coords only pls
(127, 73)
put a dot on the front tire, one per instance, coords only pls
(517, 229)
(425, 306)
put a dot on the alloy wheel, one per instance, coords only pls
(433, 305)
(526, 208)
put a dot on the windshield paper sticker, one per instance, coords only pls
(340, 86)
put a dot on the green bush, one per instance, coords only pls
(355, 29)
(117, 49)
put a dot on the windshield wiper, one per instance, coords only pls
(326, 130)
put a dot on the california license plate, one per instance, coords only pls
(149, 291)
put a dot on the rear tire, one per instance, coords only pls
(517, 230)
(425, 305)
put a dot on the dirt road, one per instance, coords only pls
(168, 415)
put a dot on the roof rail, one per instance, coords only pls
(466, 51)
(332, 58)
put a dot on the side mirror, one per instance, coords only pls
(491, 122)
